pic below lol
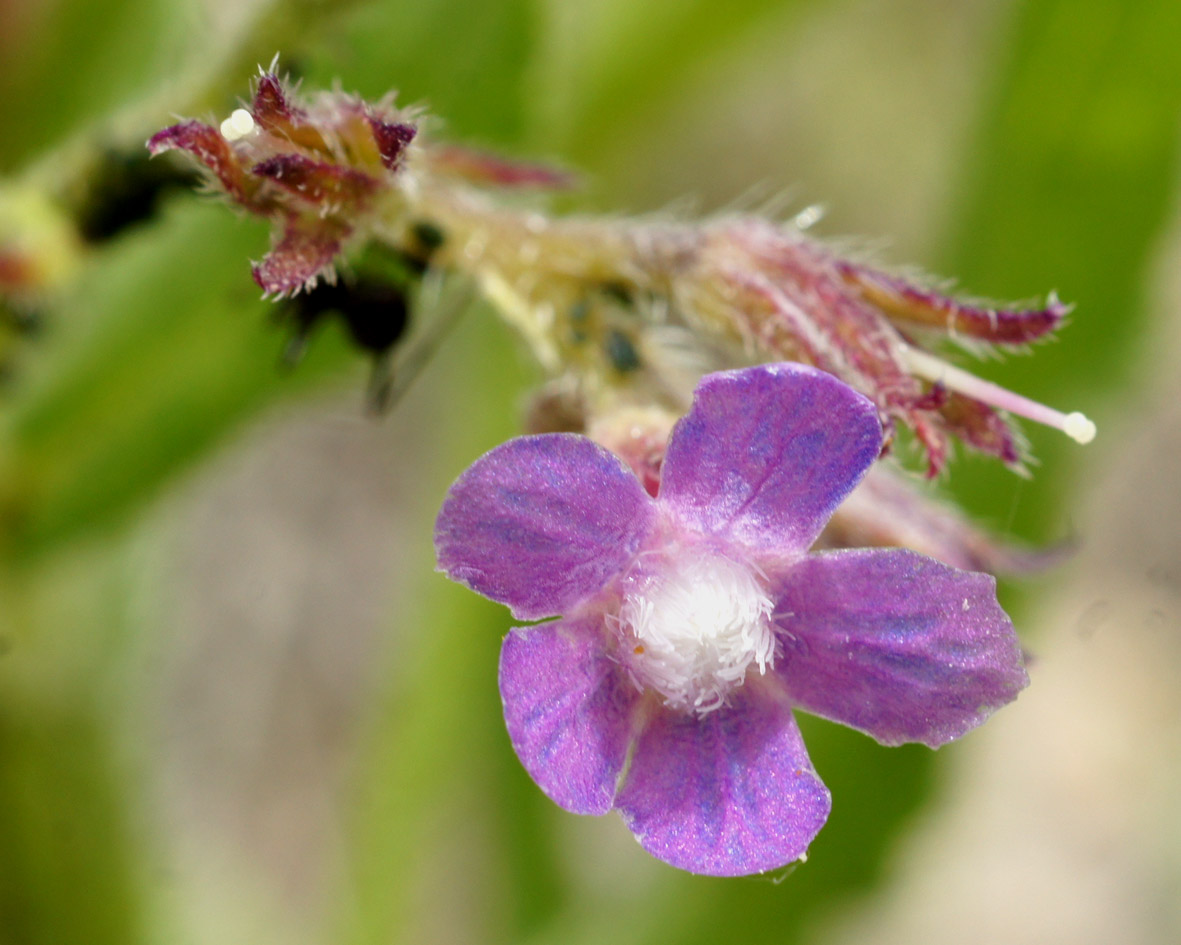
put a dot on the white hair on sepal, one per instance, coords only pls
(678, 357)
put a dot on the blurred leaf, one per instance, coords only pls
(1069, 185)
(428, 752)
(66, 872)
(79, 61)
(608, 63)
(70, 867)
(465, 59)
(164, 348)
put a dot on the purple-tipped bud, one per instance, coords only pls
(313, 168)
(794, 299)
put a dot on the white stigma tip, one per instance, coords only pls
(1075, 425)
(1079, 427)
(238, 125)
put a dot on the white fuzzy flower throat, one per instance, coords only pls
(693, 625)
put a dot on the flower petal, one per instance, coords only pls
(568, 709)
(727, 794)
(896, 645)
(767, 453)
(541, 523)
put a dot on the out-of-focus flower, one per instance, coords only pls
(693, 622)
(887, 509)
(39, 251)
(39, 254)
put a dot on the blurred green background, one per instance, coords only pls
(236, 703)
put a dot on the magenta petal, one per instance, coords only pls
(767, 453)
(568, 708)
(896, 645)
(541, 523)
(727, 794)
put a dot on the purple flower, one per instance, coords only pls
(693, 623)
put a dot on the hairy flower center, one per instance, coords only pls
(693, 625)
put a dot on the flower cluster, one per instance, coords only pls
(633, 310)
(694, 621)
(686, 535)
